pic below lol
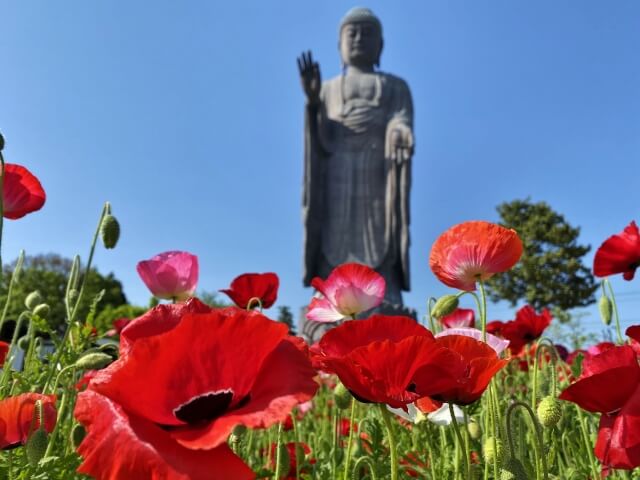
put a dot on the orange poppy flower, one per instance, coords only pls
(472, 251)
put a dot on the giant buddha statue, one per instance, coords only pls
(357, 169)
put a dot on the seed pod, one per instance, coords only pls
(513, 470)
(445, 305)
(549, 411)
(474, 429)
(109, 231)
(342, 396)
(42, 310)
(94, 361)
(606, 309)
(33, 300)
(37, 446)
(488, 450)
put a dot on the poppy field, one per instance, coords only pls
(187, 391)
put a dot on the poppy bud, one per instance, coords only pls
(488, 451)
(42, 310)
(445, 305)
(342, 396)
(1, 142)
(282, 457)
(513, 470)
(33, 300)
(94, 361)
(37, 446)
(549, 411)
(475, 431)
(109, 231)
(77, 435)
(23, 342)
(606, 309)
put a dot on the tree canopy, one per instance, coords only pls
(551, 272)
(48, 274)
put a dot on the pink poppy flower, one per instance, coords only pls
(351, 288)
(498, 344)
(170, 275)
(460, 317)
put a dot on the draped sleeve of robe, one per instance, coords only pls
(344, 140)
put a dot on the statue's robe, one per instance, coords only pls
(356, 199)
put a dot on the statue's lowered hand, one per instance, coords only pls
(400, 143)
(310, 77)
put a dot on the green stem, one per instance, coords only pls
(483, 312)
(475, 297)
(585, 437)
(278, 473)
(615, 312)
(538, 444)
(432, 324)
(347, 461)
(334, 449)
(12, 348)
(463, 446)
(74, 310)
(16, 272)
(369, 463)
(386, 418)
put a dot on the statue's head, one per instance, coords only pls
(360, 38)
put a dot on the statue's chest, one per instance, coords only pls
(361, 87)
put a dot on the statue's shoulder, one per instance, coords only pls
(393, 81)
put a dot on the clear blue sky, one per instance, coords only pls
(187, 116)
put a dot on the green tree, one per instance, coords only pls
(285, 316)
(48, 274)
(551, 272)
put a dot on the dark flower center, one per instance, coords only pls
(205, 407)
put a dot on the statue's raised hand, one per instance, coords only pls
(310, 77)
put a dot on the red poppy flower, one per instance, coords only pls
(295, 450)
(599, 389)
(473, 251)
(120, 444)
(384, 359)
(620, 253)
(460, 317)
(527, 327)
(17, 417)
(212, 371)
(118, 326)
(349, 290)
(495, 327)
(633, 332)
(159, 319)
(250, 287)
(170, 275)
(476, 362)
(22, 192)
(4, 350)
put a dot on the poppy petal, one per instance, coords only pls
(191, 364)
(120, 445)
(285, 380)
(473, 250)
(620, 253)
(17, 414)
(599, 388)
(247, 286)
(22, 192)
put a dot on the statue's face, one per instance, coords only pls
(360, 44)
